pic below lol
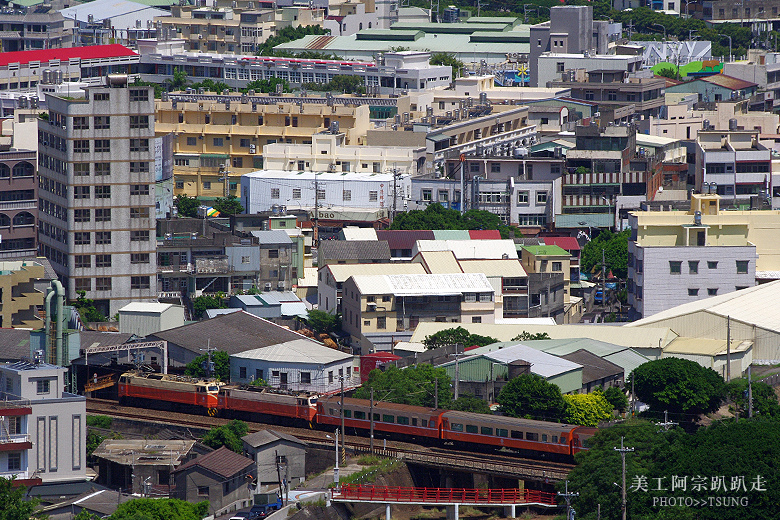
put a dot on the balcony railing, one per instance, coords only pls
(14, 438)
(9, 400)
(18, 475)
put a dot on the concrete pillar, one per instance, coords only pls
(387, 511)
(509, 511)
(452, 512)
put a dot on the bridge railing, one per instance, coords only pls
(444, 495)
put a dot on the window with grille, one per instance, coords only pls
(102, 168)
(102, 260)
(81, 146)
(102, 237)
(139, 212)
(81, 215)
(373, 196)
(102, 145)
(139, 95)
(103, 283)
(103, 215)
(139, 145)
(102, 192)
(139, 258)
(139, 236)
(81, 238)
(83, 284)
(139, 167)
(81, 192)
(102, 122)
(83, 261)
(274, 193)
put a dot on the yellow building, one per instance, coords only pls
(548, 259)
(233, 131)
(18, 296)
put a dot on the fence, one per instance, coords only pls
(443, 495)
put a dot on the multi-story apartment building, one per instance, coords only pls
(215, 131)
(19, 300)
(695, 254)
(34, 28)
(548, 259)
(97, 195)
(18, 203)
(377, 309)
(734, 164)
(43, 429)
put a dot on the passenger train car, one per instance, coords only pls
(265, 401)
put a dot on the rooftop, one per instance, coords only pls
(295, 351)
(594, 368)
(543, 364)
(727, 82)
(511, 268)
(354, 250)
(274, 236)
(144, 452)
(341, 272)
(110, 9)
(223, 462)
(567, 243)
(546, 250)
(471, 249)
(423, 284)
(150, 307)
(264, 437)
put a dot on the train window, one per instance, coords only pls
(214, 388)
(414, 421)
(575, 441)
(500, 432)
(360, 415)
(425, 423)
(486, 430)
(388, 418)
(563, 439)
(123, 379)
(348, 414)
(555, 438)
(376, 416)
(331, 411)
(516, 434)
(531, 436)
(456, 427)
(471, 429)
(402, 420)
(544, 437)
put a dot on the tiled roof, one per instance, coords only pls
(567, 243)
(484, 234)
(223, 462)
(85, 53)
(594, 367)
(403, 238)
(354, 250)
(728, 82)
(264, 437)
(231, 333)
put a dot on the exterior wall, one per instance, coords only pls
(144, 323)
(549, 65)
(18, 296)
(324, 377)
(265, 457)
(18, 203)
(26, 30)
(128, 235)
(276, 271)
(222, 496)
(568, 382)
(652, 288)
(327, 291)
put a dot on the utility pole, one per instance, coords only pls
(343, 431)
(371, 414)
(436, 394)
(208, 351)
(567, 497)
(667, 423)
(623, 450)
(463, 181)
(750, 394)
(728, 349)
(395, 191)
(632, 394)
(316, 210)
(603, 278)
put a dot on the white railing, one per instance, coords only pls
(14, 438)
(19, 475)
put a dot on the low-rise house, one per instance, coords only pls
(223, 478)
(353, 252)
(270, 305)
(269, 448)
(142, 318)
(548, 259)
(597, 372)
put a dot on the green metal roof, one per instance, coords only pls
(387, 34)
(215, 155)
(450, 28)
(546, 250)
(451, 234)
(494, 19)
(584, 220)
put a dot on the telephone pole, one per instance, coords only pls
(750, 393)
(728, 349)
(371, 416)
(395, 191)
(316, 210)
(623, 450)
(208, 351)
(667, 424)
(567, 496)
(343, 431)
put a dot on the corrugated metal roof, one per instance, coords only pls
(705, 347)
(423, 284)
(594, 368)
(470, 249)
(294, 309)
(484, 234)
(546, 250)
(264, 437)
(354, 250)
(511, 268)
(341, 272)
(403, 238)
(102, 9)
(278, 297)
(146, 307)
(439, 262)
(301, 350)
(567, 243)
(577, 221)
(358, 233)
(451, 234)
(543, 364)
(728, 82)
(320, 176)
(274, 236)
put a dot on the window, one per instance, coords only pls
(296, 193)
(522, 197)
(712, 291)
(675, 267)
(83, 284)
(139, 95)
(139, 258)
(495, 167)
(476, 319)
(139, 189)
(139, 236)
(742, 266)
(81, 192)
(103, 283)
(388, 418)
(102, 122)
(81, 238)
(219, 141)
(139, 282)
(693, 266)
(102, 145)
(80, 169)
(15, 460)
(712, 264)
(381, 322)
(42, 386)
(203, 491)
(373, 196)
(559, 66)
(192, 141)
(81, 123)
(103, 237)
(456, 427)
(427, 195)
(100, 96)
(273, 253)
(444, 196)
(347, 195)
(139, 167)
(693, 292)
(557, 266)
(541, 197)
(206, 185)
(102, 168)
(274, 193)
(486, 430)
(102, 260)
(102, 192)
(81, 146)
(103, 215)
(83, 261)
(139, 212)
(139, 145)
(81, 215)
(612, 95)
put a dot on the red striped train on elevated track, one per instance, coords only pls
(409, 422)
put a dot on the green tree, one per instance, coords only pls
(13, 505)
(415, 385)
(615, 248)
(204, 302)
(322, 322)
(587, 409)
(229, 205)
(221, 360)
(86, 308)
(527, 336)
(187, 206)
(667, 72)
(84, 514)
(178, 81)
(469, 403)
(266, 86)
(288, 34)
(447, 59)
(348, 84)
(209, 85)
(436, 216)
(158, 88)
(617, 398)
(680, 386)
(160, 509)
(764, 398)
(456, 336)
(93, 441)
(532, 397)
(228, 435)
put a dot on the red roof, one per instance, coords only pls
(567, 243)
(484, 234)
(85, 53)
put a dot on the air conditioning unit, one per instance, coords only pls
(252, 148)
(371, 307)
(268, 286)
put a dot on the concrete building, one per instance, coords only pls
(144, 318)
(548, 259)
(18, 296)
(19, 203)
(49, 445)
(266, 447)
(378, 309)
(30, 28)
(301, 365)
(222, 478)
(277, 270)
(691, 259)
(100, 237)
(717, 87)
(101, 22)
(225, 139)
(349, 18)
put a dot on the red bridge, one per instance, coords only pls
(452, 497)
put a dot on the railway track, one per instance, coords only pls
(450, 458)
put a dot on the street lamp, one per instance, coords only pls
(336, 469)
(662, 27)
(729, 37)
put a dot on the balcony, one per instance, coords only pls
(11, 404)
(18, 204)
(14, 442)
